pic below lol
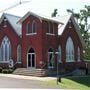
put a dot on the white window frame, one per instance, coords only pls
(19, 57)
(34, 22)
(28, 24)
(5, 50)
(31, 57)
(49, 53)
(70, 50)
(49, 33)
(78, 54)
(32, 33)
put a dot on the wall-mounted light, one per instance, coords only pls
(5, 23)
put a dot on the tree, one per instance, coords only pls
(54, 13)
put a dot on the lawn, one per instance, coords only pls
(78, 83)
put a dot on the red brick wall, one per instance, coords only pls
(13, 37)
(63, 39)
(40, 42)
(49, 41)
(34, 41)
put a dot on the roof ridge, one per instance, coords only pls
(11, 15)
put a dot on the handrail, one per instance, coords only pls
(43, 65)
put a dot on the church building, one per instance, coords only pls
(38, 42)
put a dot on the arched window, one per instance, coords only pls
(69, 50)
(5, 49)
(28, 28)
(50, 28)
(31, 57)
(59, 54)
(78, 54)
(34, 27)
(19, 53)
(50, 58)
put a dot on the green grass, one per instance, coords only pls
(78, 83)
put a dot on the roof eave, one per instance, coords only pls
(78, 31)
(40, 18)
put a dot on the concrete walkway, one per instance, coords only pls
(28, 77)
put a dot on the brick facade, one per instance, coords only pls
(41, 42)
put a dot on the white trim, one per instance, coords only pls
(78, 55)
(4, 61)
(34, 62)
(40, 17)
(50, 34)
(34, 22)
(31, 34)
(5, 49)
(19, 52)
(70, 61)
(52, 59)
(70, 50)
(27, 25)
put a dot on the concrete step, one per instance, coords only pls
(30, 72)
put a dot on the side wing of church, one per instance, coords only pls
(32, 41)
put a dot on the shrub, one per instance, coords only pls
(10, 70)
(5, 71)
(0, 69)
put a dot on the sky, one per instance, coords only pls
(44, 7)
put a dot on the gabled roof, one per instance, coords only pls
(41, 17)
(65, 19)
(13, 22)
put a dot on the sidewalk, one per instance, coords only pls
(28, 77)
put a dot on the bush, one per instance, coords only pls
(10, 70)
(5, 71)
(0, 69)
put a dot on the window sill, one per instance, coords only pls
(19, 62)
(50, 34)
(50, 67)
(70, 61)
(31, 33)
(4, 61)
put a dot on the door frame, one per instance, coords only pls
(34, 60)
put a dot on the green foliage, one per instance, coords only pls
(54, 13)
(77, 83)
(10, 70)
(5, 71)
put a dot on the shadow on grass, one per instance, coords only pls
(85, 80)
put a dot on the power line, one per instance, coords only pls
(13, 6)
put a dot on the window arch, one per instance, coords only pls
(69, 50)
(34, 26)
(50, 58)
(5, 49)
(78, 54)
(50, 28)
(28, 28)
(19, 53)
(31, 57)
